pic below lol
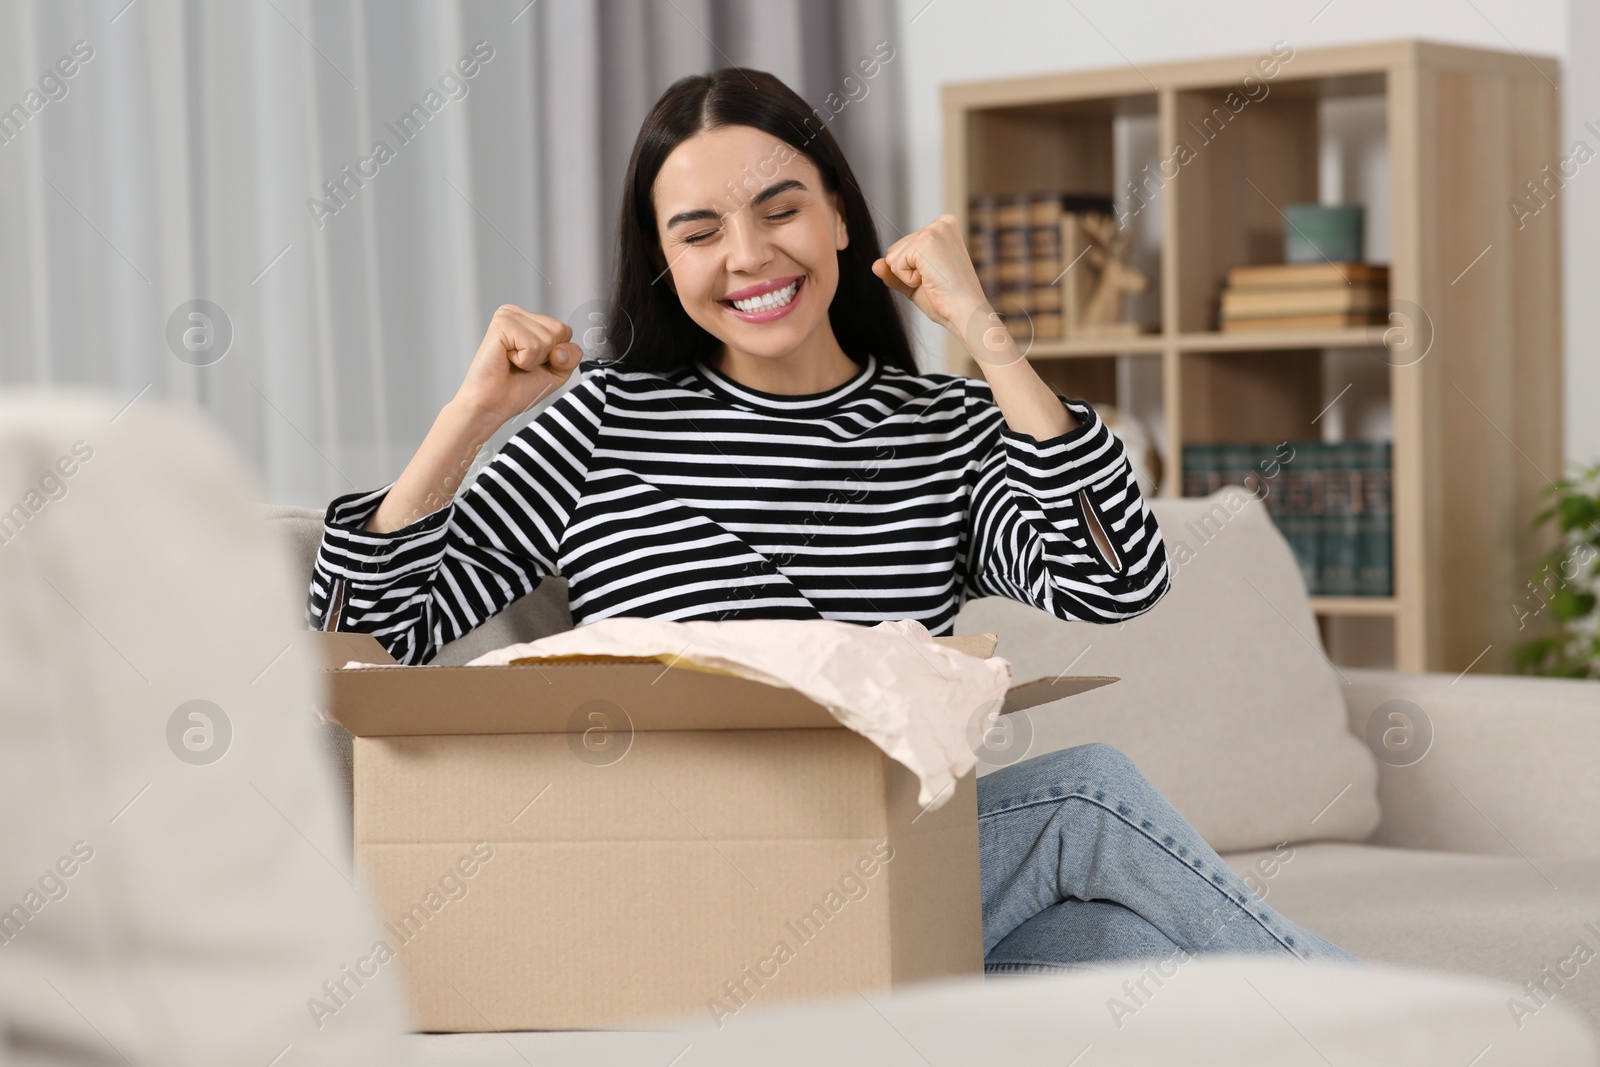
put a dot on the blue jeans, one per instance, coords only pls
(1083, 860)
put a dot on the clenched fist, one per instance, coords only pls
(932, 268)
(524, 357)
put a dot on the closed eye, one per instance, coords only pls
(779, 217)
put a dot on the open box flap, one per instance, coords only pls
(1031, 694)
(395, 700)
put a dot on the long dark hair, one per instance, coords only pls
(661, 335)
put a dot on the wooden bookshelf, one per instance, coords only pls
(1475, 423)
(1353, 605)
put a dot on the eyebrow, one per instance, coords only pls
(760, 198)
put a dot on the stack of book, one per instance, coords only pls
(1021, 246)
(1305, 296)
(1332, 503)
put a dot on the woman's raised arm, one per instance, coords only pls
(416, 566)
(524, 357)
(933, 269)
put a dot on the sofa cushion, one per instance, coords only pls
(1244, 1011)
(1500, 917)
(1226, 700)
(157, 763)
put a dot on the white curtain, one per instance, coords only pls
(160, 152)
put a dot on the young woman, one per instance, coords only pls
(766, 448)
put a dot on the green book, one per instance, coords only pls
(1201, 475)
(1298, 520)
(1375, 534)
(1191, 470)
(1338, 535)
(1266, 480)
(1235, 463)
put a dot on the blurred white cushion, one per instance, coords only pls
(215, 900)
(1208, 1012)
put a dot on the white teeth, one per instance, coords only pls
(775, 299)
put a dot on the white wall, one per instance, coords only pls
(964, 40)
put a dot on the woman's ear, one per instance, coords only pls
(841, 233)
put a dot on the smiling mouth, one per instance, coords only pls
(767, 301)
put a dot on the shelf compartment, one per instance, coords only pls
(1076, 147)
(1235, 396)
(1242, 168)
(1246, 163)
(1067, 146)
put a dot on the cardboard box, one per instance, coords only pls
(601, 845)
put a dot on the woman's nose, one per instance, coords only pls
(748, 249)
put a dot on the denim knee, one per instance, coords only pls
(1106, 761)
(1095, 762)
(1095, 767)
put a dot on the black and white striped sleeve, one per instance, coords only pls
(422, 586)
(1029, 541)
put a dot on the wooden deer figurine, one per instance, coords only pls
(1114, 277)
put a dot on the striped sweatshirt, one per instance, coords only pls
(686, 495)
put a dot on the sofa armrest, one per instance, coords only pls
(1511, 768)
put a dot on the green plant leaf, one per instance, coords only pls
(1576, 511)
(1574, 506)
(1569, 604)
(1530, 657)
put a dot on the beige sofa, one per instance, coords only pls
(1481, 857)
(207, 916)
